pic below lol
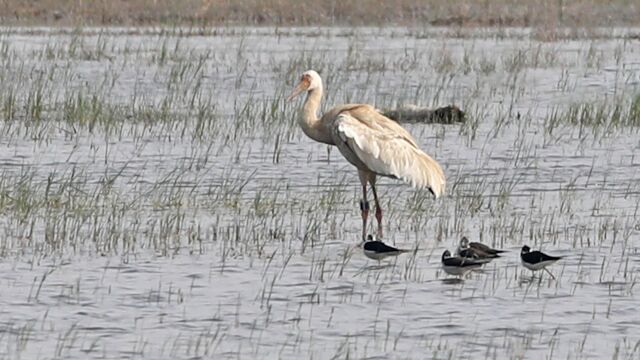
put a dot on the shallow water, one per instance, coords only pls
(144, 237)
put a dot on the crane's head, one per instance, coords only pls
(309, 81)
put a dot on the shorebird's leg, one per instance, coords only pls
(378, 207)
(549, 272)
(364, 208)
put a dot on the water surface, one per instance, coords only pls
(159, 201)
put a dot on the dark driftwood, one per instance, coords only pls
(412, 114)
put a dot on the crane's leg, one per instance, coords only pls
(364, 211)
(364, 204)
(378, 207)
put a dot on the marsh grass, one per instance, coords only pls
(164, 149)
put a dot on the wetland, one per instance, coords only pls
(158, 199)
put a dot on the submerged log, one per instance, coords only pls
(414, 114)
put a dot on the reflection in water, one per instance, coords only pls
(452, 281)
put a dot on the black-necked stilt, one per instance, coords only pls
(537, 260)
(477, 250)
(459, 265)
(377, 250)
(480, 247)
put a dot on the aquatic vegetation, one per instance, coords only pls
(158, 199)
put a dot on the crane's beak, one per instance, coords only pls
(302, 86)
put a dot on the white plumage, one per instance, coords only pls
(388, 153)
(373, 143)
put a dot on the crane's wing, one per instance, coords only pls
(368, 115)
(387, 151)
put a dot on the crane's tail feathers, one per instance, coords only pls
(389, 152)
(427, 173)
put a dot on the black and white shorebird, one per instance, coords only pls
(377, 250)
(537, 260)
(476, 250)
(459, 266)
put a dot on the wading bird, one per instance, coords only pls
(476, 250)
(373, 143)
(377, 250)
(459, 266)
(537, 260)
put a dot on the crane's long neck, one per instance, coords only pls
(311, 125)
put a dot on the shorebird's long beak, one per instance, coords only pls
(302, 86)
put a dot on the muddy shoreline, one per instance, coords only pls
(465, 13)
